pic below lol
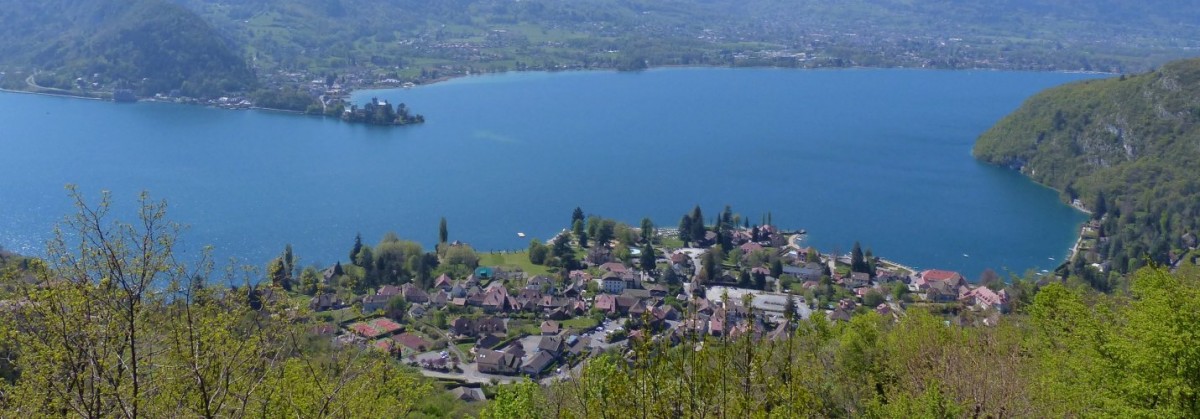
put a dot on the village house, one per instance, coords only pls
(550, 328)
(553, 345)
(414, 294)
(613, 284)
(983, 298)
(330, 274)
(537, 363)
(856, 280)
(473, 327)
(496, 362)
(444, 283)
(324, 302)
(373, 303)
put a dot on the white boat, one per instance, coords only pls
(520, 234)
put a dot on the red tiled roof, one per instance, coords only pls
(411, 341)
(940, 275)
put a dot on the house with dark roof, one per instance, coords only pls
(472, 327)
(324, 302)
(468, 394)
(388, 291)
(606, 303)
(550, 328)
(856, 279)
(553, 345)
(373, 303)
(615, 268)
(496, 362)
(443, 282)
(332, 273)
(414, 294)
(538, 363)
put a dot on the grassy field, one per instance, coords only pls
(580, 323)
(513, 260)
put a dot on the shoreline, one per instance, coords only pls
(444, 79)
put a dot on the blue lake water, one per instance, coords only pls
(880, 156)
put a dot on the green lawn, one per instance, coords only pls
(580, 323)
(513, 260)
(670, 242)
(528, 327)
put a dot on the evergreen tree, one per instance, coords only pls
(685, 229)
(647, 258)
(744, 279)
(776, 268)
(870, 257)
(580, 233)
(593, 226)
(563, 252)
(443, 233)
(698, 229)
(647, 230)
(358, 245)
(289, 261)
(857, 263)
(1101, 206)
(577, 216)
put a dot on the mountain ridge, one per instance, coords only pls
(1125, 146)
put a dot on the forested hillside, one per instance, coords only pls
(151, 46)
(1127, 147)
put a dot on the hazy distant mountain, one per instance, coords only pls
(1133, 140)
(1107, 35)
(152, 45)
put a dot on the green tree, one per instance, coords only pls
(358, 245)
(564, 255)
(396, 308)
(697, 233)
(310, 281)
(605, 232)
(857, 261)
(873, 298)
(685, 229)
(117, 326)
(462, 255)
(577, 216)
(277, 273)
(647, 258)
(289, 261)
(537, 252)
(443, 233)
(647, 230)
(516, 401)
(776, 268)
(580, 233)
